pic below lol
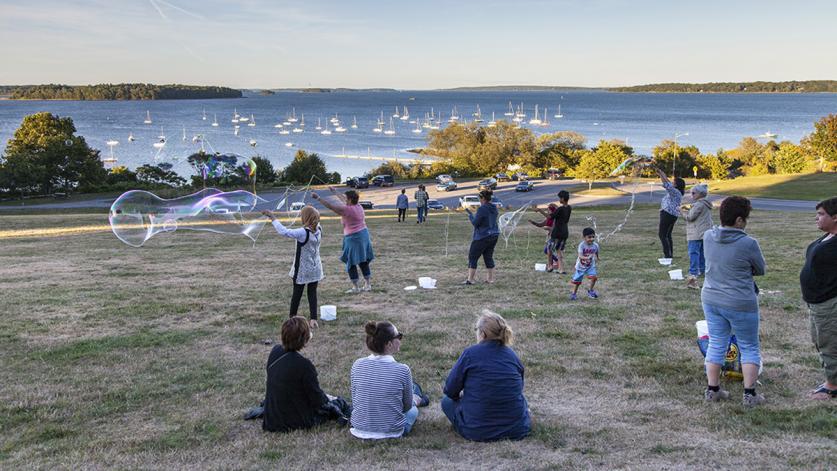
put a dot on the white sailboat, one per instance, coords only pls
(396, 115)
(339, 128)
(292, 119)
(284, 132)
(252, 122)
(319, 125)
(558, 114)
(768, 135)
(215, 121)
(391, 130)
(454, 115)
(112, 159)
(478, 115)
(379, 125)
(184, 133)
(162, 134)
(326, 132)
(278, 125)
(406, 114)
(417, 130)
(253, 143)
(545, 121)
(235, 117)
(236, 129)
(204, 114)
(536, 119)
(510, 112)
(147, 118)
(354, 122)
(302, 121)
(492, 123)
(131, 137)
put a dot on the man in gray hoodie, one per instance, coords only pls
(730, 298)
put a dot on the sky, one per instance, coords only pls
(425, 44)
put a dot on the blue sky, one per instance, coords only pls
(414, 44)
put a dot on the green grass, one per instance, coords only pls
(117, 357)
(812, 186)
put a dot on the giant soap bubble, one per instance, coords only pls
(138, 215)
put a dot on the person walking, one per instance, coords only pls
(421, 198)
(401, 203)
(669, 211)
(818, 280)
(730, 299)
(486, 232)
(698, 216)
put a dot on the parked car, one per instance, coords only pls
(360, 182)
(553, 174)
(502, 177)
(443, 178)
(525, 185)
(488, 184)
(519, 176)
(297, 206)
(435, 204)
(497, 203)
(350, 182)
(469, 201)
(366, 204)
(383, 180)
(447, 186)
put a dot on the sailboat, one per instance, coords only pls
(204, 114)
(396, 115)
(417, 130)
(253, 143)
(379, 125)
(112, 159)
(354, 122)
(292, 119)
(300, 126)
(284, 131)
(536, 119)
(326, 131)
(162, 134)
(454, 116)
(405, 115)
(319, 125)
(391, 130)
(510, 112)
(252, 122)
(768, 135)
(162, 140)
(184, 133)
(236, 129)
(558, 114)
(545, 121)
(131, 137)
(478, 115)
(147, 118)
(492, 123)
(235, 117)
(215, 121)
(339, 128)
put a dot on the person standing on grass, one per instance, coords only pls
(357, 245)
(384, 396)
(560, 231)
(486, 232)
(401, 203)
(484, 398)
(818, 279)
(307, 269)
(586, 263)
(546, 224)
(669, 211)
(698, 220)
(421, 204)
(730, 299)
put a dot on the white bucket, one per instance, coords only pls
(702, 329)
(328, 312)
(664, 261)
(675, 274)
(540, 267)
(426, 282)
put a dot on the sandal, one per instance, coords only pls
(823, 393)
(467, 282)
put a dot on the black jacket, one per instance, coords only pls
(293, 394)
(818, 278)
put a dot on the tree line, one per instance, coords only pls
(119, 91)
(803, 86)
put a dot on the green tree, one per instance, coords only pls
(714, 166)
(599, 162)
(47, 145)
(303, 167)
(160, 174)
(475, 150)
(682, 158)
(823, 141)
(560, 150)
(21, 175)
(789, 158)
(264, 170)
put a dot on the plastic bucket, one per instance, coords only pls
(702, 329)
(328, 312)
(426, 282)
(664, 261)
(675, 274)
(540, 267)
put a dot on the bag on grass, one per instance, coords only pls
(732, 361)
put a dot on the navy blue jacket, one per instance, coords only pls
(492, 406)
(485, 221)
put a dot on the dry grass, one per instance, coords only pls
(115, 357)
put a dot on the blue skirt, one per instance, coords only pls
(357, 248)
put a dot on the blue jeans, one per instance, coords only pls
(722, 323)
(697, 264)
(449, 408)
(422, 213)
(410, 419)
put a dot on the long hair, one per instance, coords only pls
(310, 217)
(680, 184)
(492, 326)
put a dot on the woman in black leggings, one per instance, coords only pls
(669, 211)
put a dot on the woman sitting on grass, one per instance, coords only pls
(384, 397)
(357, 245)
(484, 391)
(293, 396)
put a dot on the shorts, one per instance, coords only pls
(556, 245)
(580, 273)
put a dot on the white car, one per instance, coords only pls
(443, 178)
(470, 201)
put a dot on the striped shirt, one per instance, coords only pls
(382, 393)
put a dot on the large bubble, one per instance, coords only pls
(138, 215)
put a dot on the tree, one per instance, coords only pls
(264, 170)
(159, 175)
(561, 150)
(714, 166)
(599, 163)
(823, 141)
(685, 158)
(475, 150)
(303, 167)
(47, 145)
(120, 174)
(789, 158)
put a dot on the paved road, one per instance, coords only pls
(545, 192)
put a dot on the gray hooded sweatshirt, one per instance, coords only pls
(732, 259)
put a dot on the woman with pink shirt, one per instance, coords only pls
(357, 246)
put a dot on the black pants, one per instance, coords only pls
(667, 222)
(402, 214)
(364, 268)
(312, 299)
(482, 248)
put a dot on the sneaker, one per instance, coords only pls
(367, 286)
(467, 282)
(692, 282)
(573, 296)
(715, 396)
(751, 400)
(592, 293)
(353, 290)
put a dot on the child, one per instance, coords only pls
(588, 258)
(307, 269)
(546, 224)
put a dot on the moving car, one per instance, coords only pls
(470, 201)
(525, 185)
(443, 178)
(435, 204)
(497, 203)
(553, 174)
(383, 180)
(366, 204)
(360, 182)
(297, 206)
(519, 176)
(502, 177)
(488, 184)
(447, 186)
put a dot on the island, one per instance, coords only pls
(120, 91)
(806, 86)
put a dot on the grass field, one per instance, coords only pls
(116, 357)
(811, 186)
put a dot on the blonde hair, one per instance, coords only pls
(492, 326)
(310, 217)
